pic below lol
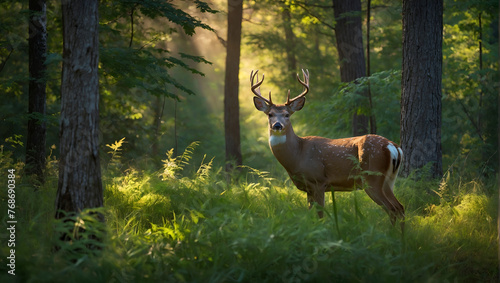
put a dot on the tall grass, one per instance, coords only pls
(176, 226)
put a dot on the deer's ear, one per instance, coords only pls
(297, 104)
(260, 104)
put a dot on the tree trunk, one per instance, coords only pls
(80, 183)
(373, 122)
(35, 144)
(480, 106)
(421, 85)
(349, 38)
(289, 40)
(159, 107)
(231, 102)
(498, 145)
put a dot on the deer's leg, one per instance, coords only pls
(317, 195)
(377, 191)
(399, 208)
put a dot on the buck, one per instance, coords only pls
(317, 165)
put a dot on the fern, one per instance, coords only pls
(81, 234)
(172, 165)
(203, 171)
(115, 153)
(187, 155)
(359, 173)
(264, 175)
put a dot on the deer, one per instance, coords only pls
(317, 165)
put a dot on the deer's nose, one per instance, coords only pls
(277, 126)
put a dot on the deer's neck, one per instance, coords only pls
(285, 147)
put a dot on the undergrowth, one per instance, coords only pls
(176, 226)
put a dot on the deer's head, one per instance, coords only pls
(279, 114)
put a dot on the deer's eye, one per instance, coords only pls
(270, 115)
(287, 115)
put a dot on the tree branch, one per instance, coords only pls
(471, 119)
(132, 25)
(2, 65)
(303, 6)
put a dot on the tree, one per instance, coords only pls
(421, 85)
(231, 103)
(373, 123)
(349, 38)
(80, 183)
(35, 144)
(498, 145)
(290, 39)
(144, 55)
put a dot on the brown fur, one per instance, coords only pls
(317, 165)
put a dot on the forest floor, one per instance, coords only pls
(162, 226)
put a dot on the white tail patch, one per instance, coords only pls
(396, 156)
(276, 139)
(394, 151)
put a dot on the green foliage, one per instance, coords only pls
(385, 87)
(332, 118)
(154, 9)
(198, 227)
(80, 234)
(172, 165)
(15, 141)
(469, 85)
(470, 88)
(180, 220)
(137, 62)
(146, 68)
(149, 73)
(143, 68)
(115, 152)
(152, 52)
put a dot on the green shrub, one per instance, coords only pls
(198, 227)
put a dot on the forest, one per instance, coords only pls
(131, 149)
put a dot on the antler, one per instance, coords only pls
(305, 83)
(256, 87)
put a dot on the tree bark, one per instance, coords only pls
(289, 40)
(80, 183)
(349, 36)
(373, 122)
(35, 143)
(421, 85)
(159, 107)
(498, 145)
(231, 102)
